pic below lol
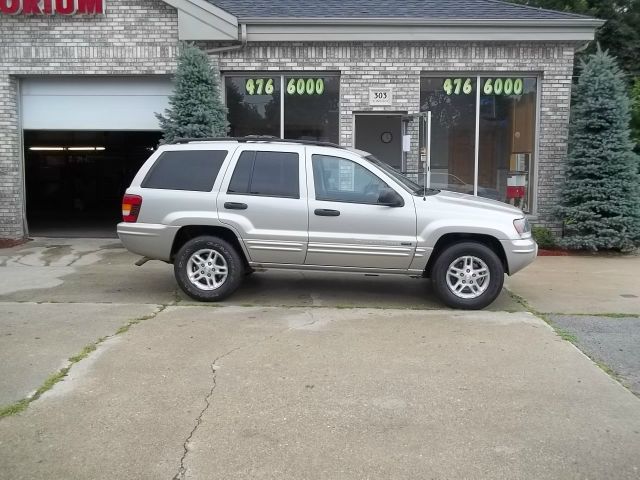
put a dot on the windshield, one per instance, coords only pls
(410, 185)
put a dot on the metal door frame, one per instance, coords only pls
(424, 128)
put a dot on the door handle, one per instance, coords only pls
(235, 206)
(325, 212)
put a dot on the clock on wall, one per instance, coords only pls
(386, 137)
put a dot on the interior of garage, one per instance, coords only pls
(75, 179)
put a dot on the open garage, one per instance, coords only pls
(84, 140)
(75, 179)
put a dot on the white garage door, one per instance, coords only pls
(94, 103)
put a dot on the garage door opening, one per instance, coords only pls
(75, 180)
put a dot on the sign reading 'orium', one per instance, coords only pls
(51, 7)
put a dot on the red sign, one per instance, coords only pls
(515, 192)
(51, 7)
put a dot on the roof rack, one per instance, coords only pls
(256, 138)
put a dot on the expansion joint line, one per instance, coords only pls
(61, 374)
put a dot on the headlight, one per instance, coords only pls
(523, 227)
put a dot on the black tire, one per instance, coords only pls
(440, 276)
(234, 265)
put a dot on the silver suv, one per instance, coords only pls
(219, 209)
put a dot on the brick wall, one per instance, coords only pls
(140, 37)
(133, 37)
(364, 65)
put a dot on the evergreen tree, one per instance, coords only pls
(620, 35)
(601, 196)
(195, 107)
(635, 113)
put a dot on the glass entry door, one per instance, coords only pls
(453, 126)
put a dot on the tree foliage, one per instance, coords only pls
(601, 197)
(620, 35)
(195, 108)
(635, 112)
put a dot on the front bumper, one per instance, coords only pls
(148, 239)
(519, 253)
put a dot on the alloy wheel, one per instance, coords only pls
(468, 277)
(207, 269)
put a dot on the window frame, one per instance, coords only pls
(478, 75)
(255, 151)
(281, 74)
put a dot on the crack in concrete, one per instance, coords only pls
(313, 321)
(182, 469)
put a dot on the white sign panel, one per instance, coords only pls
(380, 96)
(406, 143)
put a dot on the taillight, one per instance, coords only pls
(131, 207)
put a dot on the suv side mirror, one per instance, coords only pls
(390, 198)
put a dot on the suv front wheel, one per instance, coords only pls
(208, 269)
(467, 275)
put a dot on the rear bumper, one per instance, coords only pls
(148, 239)
(520, 253)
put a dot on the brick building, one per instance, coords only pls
(80, 81)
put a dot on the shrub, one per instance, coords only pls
(543, 237)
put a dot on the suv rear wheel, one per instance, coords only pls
(208, 269)
(467, 275)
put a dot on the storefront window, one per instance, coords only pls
(311, 108)
(309, 102)
(506, 132)
(254, 105)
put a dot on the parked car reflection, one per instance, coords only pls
(456, 184)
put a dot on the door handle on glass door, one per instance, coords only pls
(325, 212)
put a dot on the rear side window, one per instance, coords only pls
(194, 170)
(272, 174)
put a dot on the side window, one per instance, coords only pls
(242, 173)
(271, 174)
(195, 170)
(340, 180)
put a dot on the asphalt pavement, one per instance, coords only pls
(612, 341)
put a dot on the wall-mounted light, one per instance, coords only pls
(85, 149)
(70, 149)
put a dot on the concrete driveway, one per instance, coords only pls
(294, 377)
